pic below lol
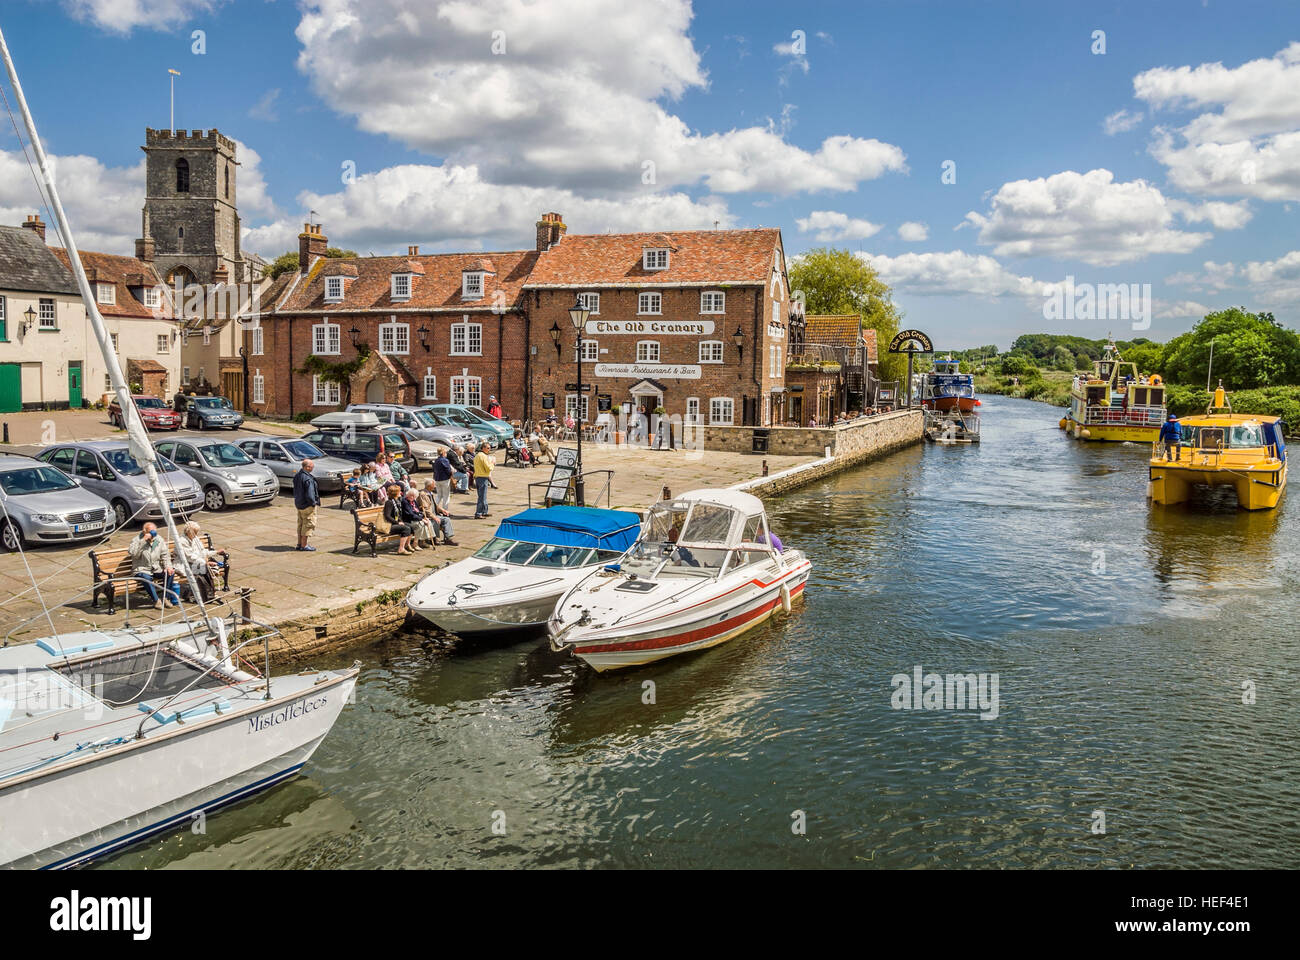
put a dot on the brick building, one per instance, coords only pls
(440, 328)
(694, 322)
(831, 368)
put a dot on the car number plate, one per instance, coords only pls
(86, 527)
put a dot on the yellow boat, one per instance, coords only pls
(1222, 448)
(1116, 403)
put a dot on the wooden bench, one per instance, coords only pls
(112, 574)
(366, 522)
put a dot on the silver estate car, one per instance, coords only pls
(418, 423)
(107, 468)
(283, 456)
(226, 473)
(39, 504)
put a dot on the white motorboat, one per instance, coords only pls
(704, 570)
(109, 736)
(511, 583)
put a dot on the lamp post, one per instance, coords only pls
(30, 317)
(578, 314)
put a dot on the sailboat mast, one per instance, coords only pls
(137, 436)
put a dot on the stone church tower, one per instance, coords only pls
(190, 221)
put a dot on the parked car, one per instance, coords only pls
(44, 505)
(359, 437)
(155, 414)
(482, 424)
(203, 413)
(284, 457)
(226, 473)
(108, 469)
(422, 451)
(419, 423)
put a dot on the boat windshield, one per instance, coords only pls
(650, 560)
(708, 523)
(507, 551)
(1238, 437)
(558, 557)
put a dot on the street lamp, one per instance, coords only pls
(424, 337)
(738, 338)
(578, 314)
(30, 317)
(555, 338)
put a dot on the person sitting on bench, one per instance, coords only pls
(151, 564)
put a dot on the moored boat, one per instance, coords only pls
(704, 570)
(1115, 403)
(510, 585)
(946, 388)
(1244, 451)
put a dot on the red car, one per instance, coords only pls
(155, 414)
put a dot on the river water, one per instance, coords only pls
(1124, 639)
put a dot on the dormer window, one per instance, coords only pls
(401, 286)
(471, 285)
(334, 289)
(655, 258)
(106, 293)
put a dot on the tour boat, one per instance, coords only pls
(1115, 403)
(510, 585)
(704, 570)
(1222, 448)
(111, 735)
(947, 388)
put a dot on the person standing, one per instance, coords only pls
(306, 497)
(442, 472)
(1171, 435)
(483, 464)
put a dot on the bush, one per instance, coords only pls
(305, 417)
(1018, 366)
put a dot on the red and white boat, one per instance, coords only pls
(704, 569)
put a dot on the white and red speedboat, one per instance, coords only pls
(705, 569)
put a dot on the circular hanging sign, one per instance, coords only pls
(910, 341)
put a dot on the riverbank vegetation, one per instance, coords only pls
(1256, 357)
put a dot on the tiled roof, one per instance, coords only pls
(435, 286)
(869, 335)
(695, 257)
(125, 273)
(27, 264)
(834, 330)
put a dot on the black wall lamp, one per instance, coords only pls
(738, 338)
(554, 332)
(354, 333)
(424, 337)
(30, 317)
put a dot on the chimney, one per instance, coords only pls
(36, 225)
(311, 244)
(549, 230)
(412, 251)
(144, 249)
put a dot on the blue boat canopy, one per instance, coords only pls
(563, 526)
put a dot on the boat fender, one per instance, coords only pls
(785, 597)
(1086, 434)
(1063, 423)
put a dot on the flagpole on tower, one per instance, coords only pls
(174, 75)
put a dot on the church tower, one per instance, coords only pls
(191, 222)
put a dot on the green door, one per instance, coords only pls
(74, 384)
(11, 388)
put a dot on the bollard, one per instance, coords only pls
(6, 437)
(245, 603)
(765, 468)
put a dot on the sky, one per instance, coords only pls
(976, 154)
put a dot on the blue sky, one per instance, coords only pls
(832, 122)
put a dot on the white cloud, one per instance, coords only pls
(1181, 310)
(1274, 282)
(953, 273)
(549, 112)
(123, 16)
(1250, 146)
(103, 203)
(453, 207)
(264, 109)
(1213, 276)
(830, 226)
(913, 232)
(1121, 121)
(252, 194)
(1224, 216)
(1085, 216)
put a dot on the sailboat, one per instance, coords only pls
(109, 736)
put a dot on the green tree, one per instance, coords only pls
(1018, 365)
(836, 281)
(287, 262)
(1250, 350)
(1063, 358)
(340, 372)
